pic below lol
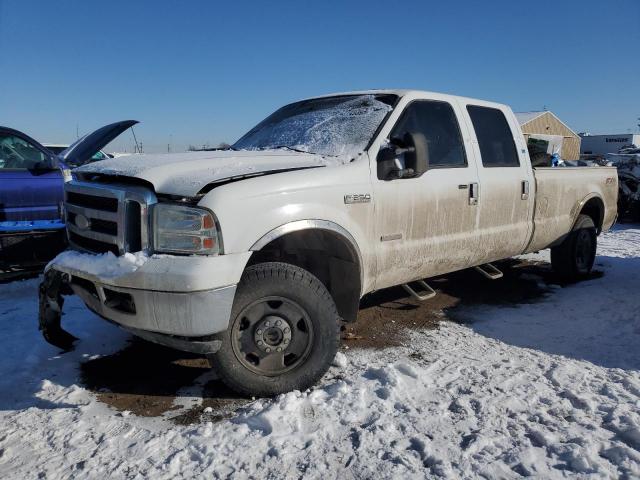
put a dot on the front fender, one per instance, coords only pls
(311, 224)
(255, 211)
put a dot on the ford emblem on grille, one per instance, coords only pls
(81, 222)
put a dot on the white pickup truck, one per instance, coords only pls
(255, 255)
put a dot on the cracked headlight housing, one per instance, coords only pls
(187, 230)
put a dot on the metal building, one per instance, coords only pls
(546, 126)
(603, 144)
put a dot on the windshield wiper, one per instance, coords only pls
(286, 147)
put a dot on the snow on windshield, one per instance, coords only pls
(334, 126)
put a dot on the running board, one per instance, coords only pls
(421, 297)
(490, 271)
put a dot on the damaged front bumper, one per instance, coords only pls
(150, 302)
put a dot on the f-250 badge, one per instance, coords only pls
(357, 198)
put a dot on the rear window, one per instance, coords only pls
(495, 139)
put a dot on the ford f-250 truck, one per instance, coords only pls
(255, 255)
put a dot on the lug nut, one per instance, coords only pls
(259, 332)
(267, 323)
(278, 323)
(259, 342)
(286, 341)
(287, 330)
(279, 349)
(268, 350)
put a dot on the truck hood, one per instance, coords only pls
(186, 174)
(79, 152)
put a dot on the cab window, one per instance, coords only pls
(495, 139)
(437, 121)
(16, 153)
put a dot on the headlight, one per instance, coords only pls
(180, 229)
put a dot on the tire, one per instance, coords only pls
(573, 258)
(283, 333)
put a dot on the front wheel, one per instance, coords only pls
(573, 259)
(283, 334)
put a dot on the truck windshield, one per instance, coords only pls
(333, 126)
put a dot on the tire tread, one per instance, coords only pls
(253, 277)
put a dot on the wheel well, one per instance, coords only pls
(594, 208)
(327, 255)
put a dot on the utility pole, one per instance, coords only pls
(137, 147)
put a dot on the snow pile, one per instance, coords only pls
(550, 389)
(104, 265)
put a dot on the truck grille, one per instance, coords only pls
(107, 218)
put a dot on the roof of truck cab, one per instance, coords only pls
(402, 92)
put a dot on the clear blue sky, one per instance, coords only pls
(204, 71)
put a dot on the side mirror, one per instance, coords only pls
(404, 158)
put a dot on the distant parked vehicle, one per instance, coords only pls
(32, 178)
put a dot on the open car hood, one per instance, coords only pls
(186, 174)
(86, 147)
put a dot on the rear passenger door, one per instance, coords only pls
(426, 224)
(505, 197)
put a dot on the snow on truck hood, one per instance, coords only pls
(186, 174)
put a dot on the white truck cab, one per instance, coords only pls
(256, 254)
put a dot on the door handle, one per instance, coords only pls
(524, 190)
(473, 194)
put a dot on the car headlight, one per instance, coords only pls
(180, 229)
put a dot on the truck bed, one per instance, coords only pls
(561, 193)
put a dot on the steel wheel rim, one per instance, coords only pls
(272, 336)
(583, 250)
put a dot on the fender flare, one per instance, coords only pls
(312, 224)
(580, 205)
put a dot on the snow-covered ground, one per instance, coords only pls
(549, 389)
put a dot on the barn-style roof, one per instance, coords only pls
(543, 122)
(526, 117)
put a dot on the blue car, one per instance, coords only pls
(31, 192)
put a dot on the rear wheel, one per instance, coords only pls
(573, 259)
(283, 333)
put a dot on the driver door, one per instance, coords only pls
(30, 187)
(426, 224)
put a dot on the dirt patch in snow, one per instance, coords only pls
(151, 380)
(387, 316)
(146, 379)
